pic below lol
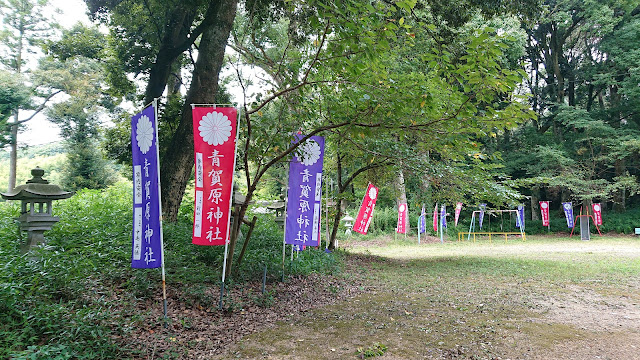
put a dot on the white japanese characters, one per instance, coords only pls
(214, 144)
(366, 210)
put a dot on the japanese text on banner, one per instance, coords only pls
(401, 227)
(304, 194)
(568, 214)
(544, 211)
(214, 139)
(146, 238)
(363, 220)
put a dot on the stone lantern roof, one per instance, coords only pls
(347, 218)
(37, 188)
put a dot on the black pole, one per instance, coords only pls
(221, 295)
(264, 278)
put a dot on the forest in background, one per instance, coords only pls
(498, 102)
(503, 103)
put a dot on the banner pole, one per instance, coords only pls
(236, 218)
(164, 282)
(419, 220)
(406, 221)
(441, 235)
(283, 256)
(284, 235)
(224, 271)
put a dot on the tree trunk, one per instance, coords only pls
(535, 207)
(246, 240)
(336, 224)
(233, 235)
(177, 161)
(13, 156)
(336, 218)
(178, 27)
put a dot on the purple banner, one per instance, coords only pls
(568, 213)
(443, 216)
(304, 195)
(483, 207)
(147, 232)
(422, 222)
(520, 218)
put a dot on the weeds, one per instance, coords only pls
(78, 296)
(374, 350)
(264, 300)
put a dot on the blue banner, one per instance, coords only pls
(520, 218)
(483, 207)
(304, 195)
(146, 249)
(568, 213)
(443, 216)
(422, 222)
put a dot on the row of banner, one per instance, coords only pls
(567, 207)
(215, 131)
(214, 137)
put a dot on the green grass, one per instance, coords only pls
(474, 301)
(561, 258)
(78, 297)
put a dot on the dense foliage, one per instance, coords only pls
(74, 298)
(583, 77)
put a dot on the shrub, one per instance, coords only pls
(67, 300)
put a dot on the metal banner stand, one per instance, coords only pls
(585, 231)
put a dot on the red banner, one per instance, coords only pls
(366, 210)
(544, 210)
(597, 213)
(458, 209)
(401, 228)
(435, 218)
(214, 141)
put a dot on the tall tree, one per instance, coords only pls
(582, 75)
(74, 64)
(25, 28)
(150, 39)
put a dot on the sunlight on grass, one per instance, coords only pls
(472, 300)
(603, 258)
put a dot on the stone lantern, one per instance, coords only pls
(348, 223)
(35, 214)
(278, 207)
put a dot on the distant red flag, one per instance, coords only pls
(597, 213)
(458, 208)
(435, 218)
(544, 210)
(366, 210)
(401, 228)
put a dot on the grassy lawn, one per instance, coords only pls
(546, 298)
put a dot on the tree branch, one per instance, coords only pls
(38, 109)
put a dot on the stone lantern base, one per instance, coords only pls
(35, 225)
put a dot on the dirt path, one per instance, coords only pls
(457, 307)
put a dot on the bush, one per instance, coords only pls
(69, 299)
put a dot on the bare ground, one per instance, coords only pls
(428, 317)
